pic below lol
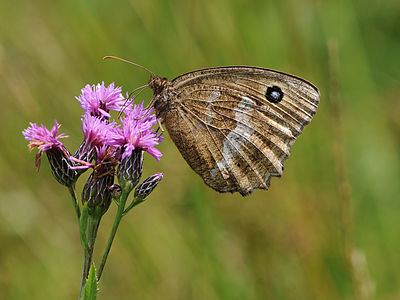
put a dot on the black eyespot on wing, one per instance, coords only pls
(274, 94)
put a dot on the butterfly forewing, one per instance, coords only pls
(235, 125)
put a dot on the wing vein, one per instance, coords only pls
(246, 113)
(233, 176)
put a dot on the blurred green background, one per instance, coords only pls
(328, 229)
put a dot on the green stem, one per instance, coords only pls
(71, 190)
(93, 225)
(83, 280)
(117, 220)
(132, 205)
(83, 221)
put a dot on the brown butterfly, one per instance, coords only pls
(235, 125)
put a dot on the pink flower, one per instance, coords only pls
(42, 138)
(97, 132)
(98, 100)
(59, 158)
(137, 132)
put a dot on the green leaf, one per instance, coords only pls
(90, 289)
(83, 222)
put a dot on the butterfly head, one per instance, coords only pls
(158, 84)
(160, 87)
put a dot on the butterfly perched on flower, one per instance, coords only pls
(235, 125)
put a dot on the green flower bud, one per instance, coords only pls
(61, 167)
(96, 191)
(131, 168)
(147, 186)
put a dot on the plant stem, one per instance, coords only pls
(93, 225)
(71, 190)
(83, 220)
(83, 280)
(117, 220)
(132, 205)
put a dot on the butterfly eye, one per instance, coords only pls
(274, 94)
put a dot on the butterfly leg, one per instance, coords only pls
(159, 121)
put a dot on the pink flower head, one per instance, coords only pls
(98, 100)
(97, 132)
(137, 132)
(42, 138)
(98, 135)
(46, 141)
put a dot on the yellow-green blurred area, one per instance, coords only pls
(328, 229)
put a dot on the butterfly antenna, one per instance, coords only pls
(129, 62)
(125, 105)
(140, 66)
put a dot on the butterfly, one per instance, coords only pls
(235, 125)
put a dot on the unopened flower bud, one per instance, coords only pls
(131, 168)
(61, 166)
(147, 186)
(96, 192)
(115, 190)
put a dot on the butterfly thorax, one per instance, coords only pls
(162, 95)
